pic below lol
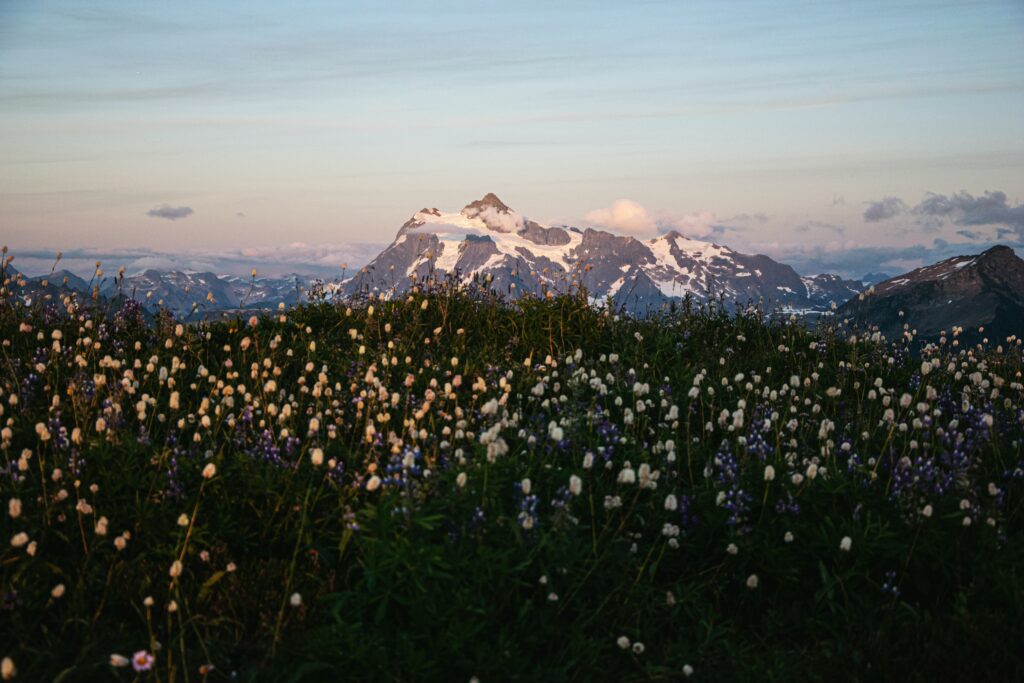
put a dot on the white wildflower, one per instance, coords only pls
(575, 485)
(7, 669)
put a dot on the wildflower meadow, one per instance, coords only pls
(442, 484)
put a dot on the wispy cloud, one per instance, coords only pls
(760, 217)
(694, 224)
(970, 235)
(171, 213)
(820, 226)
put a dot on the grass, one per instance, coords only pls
(369, 515)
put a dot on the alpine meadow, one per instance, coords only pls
(716, 375)
(447, 485)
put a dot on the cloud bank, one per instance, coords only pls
(897, 234)
(963, 209)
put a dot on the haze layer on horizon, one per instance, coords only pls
(815, 131)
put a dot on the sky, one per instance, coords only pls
(843, 136)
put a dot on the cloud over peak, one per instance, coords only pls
(632, 218)
(171, 213)
(624, 215)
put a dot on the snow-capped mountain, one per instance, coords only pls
(487, 239)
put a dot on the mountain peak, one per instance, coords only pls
(494, 213)
(488, 200)
(998, 251)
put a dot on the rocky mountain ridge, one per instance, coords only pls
(982, 293)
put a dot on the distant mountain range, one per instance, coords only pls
(984, 294)
(513, 255)
(491, 242)
(176, 290)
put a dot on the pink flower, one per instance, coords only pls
(142, 661)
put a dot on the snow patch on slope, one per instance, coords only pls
(455, 227)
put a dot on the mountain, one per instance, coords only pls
(487, 239)
(46, 287)
(179, 291)
(175, 290)
(268, 292)
(985, 290)
(874, 278)
(63, 279)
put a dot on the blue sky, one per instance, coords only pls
(330, 123)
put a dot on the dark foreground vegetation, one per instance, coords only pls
(444, 486)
